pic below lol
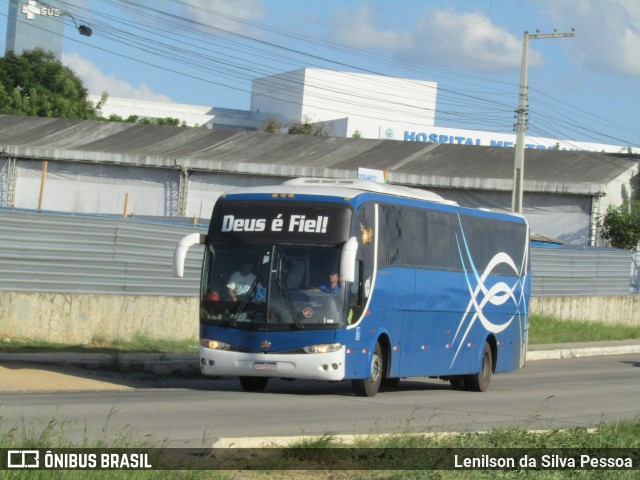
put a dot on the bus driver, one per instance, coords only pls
(241, 281)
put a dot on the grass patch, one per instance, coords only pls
(546, 329)
(542, 330)
(139, 343)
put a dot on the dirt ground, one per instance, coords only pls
(16, 377)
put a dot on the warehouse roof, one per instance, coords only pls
(258, 153)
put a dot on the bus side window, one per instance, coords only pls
(356, 296)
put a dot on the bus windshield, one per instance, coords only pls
(272, 287)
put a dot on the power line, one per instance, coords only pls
(232, 60)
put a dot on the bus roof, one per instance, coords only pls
(343, 188)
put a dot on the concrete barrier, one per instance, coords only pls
(86, 318)
(617, 309)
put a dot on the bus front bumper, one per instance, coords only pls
(313, 366)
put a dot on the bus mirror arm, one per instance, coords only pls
(348, 260)
(180, 253)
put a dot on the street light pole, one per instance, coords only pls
(521, 122)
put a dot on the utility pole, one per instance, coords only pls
(521, 122)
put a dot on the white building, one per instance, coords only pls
(346, 105)
(192, 115)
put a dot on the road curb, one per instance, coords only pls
(578, 352)
(346, 439)
(189, 365)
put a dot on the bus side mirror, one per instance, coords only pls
(180, 253)
(348, 260)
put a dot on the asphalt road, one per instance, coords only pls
(197, 412)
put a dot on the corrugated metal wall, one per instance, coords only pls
(54, 252)
(635, 272)
(48, 252)
(579, 271)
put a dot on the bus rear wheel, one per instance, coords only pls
(480, 382)
(368, 387)
(253, 384)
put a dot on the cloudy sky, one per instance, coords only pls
(207, 52)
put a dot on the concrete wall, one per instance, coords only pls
(619, 309)
(81, 319)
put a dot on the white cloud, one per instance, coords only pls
(96, 82)
(607, 33)
(230, 15)
(358, 30)
(437, 37)
(469, 40)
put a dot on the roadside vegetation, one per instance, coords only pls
(370, 457)
(546, 329)
(139, 343)
(542, 330)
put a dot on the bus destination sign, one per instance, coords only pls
(277, 222)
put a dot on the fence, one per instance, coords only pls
(47, 252)
(53, 252)
(77, 278)
(580, 271)
(635, 272)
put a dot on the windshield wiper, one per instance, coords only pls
(244, 302)
(288, 301)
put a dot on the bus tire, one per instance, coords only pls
(480, 382)
(368, 387)
(253, 384)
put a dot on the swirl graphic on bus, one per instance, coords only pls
(481, 294)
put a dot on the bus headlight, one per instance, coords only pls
(323, 348)
(214, 344)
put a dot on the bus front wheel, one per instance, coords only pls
(253, 384)
(368, 387)
(480, 382)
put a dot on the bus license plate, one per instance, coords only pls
(270, 366)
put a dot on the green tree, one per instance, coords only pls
(621, 225)
(35, 83)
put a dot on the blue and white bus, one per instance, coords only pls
(425, 286)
